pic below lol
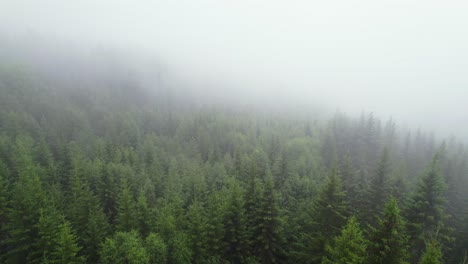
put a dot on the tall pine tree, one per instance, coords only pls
(389, 242)
(426, 213)
(349, 247)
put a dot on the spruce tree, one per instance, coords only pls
(432, 254)
(270, 243)
(252, 205)
(126, 218)
(349, 247)
(96, 231)
(349, 179)
(49, 221)
(426, 212)
(23, 214)
(156, 248)
(3, 209)
(66, 249)
(235, 229)
(3, 196)
(215, 231)
(378, 187)
(143, 216)
(197, 232)
(124, 248)
(329, 213)
(388, 242)
(180, 250)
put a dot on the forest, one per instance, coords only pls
(111, 172)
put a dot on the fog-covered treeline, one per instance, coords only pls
(109, 172)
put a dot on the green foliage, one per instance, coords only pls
(50, 218)
(235, 229)
(24, 211)
(143, 212)
(3, 207)
(126, 219)
(379, 184)
(349, 247)
(197, 227)
(180, 249)
(269, 244)
(124, 248)
(426, 213)
(66, 249)
(328, 215)
(432, 254)
(156, 248)
(97, 229)
(389, 242)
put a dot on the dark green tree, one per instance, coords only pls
(156, 248)
(144, 215)
(97, 229)
(235, 228)
(126, 218)
(349, 247)
(432, 254)
(215, 231)
(50, 218)
(197, 232)
(124, 248)
(66, 249)
(269, 246)
(378, 187)
(426, 212)
(3, 208)
(328, 215)
(23, 214)
(180, 249)
(389, 242)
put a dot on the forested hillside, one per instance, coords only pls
(110, 172)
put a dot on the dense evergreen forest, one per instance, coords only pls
(110, 172)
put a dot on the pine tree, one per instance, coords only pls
(178, 243)
(126, 211)
(252, 204)
(270, 243)
(124, 248)
(82, 203)
(143, 215)
(197, 232)
(349, 179)
(23, 214)
(399, 185)
(426, 213)
(180, 249)
(50, 218)
(329, 215)
(235, 231)
(378, 188)
(156, 248)
(388, 242)
(215, 231)
(66, 249)
(432, 254)
(349, 247)
(3, 196)
(108, 190)
(96, 231)
(3, 208)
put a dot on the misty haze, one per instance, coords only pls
(233, 132)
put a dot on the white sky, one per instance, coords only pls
(408, 59)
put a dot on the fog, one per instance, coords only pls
(405, 59)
